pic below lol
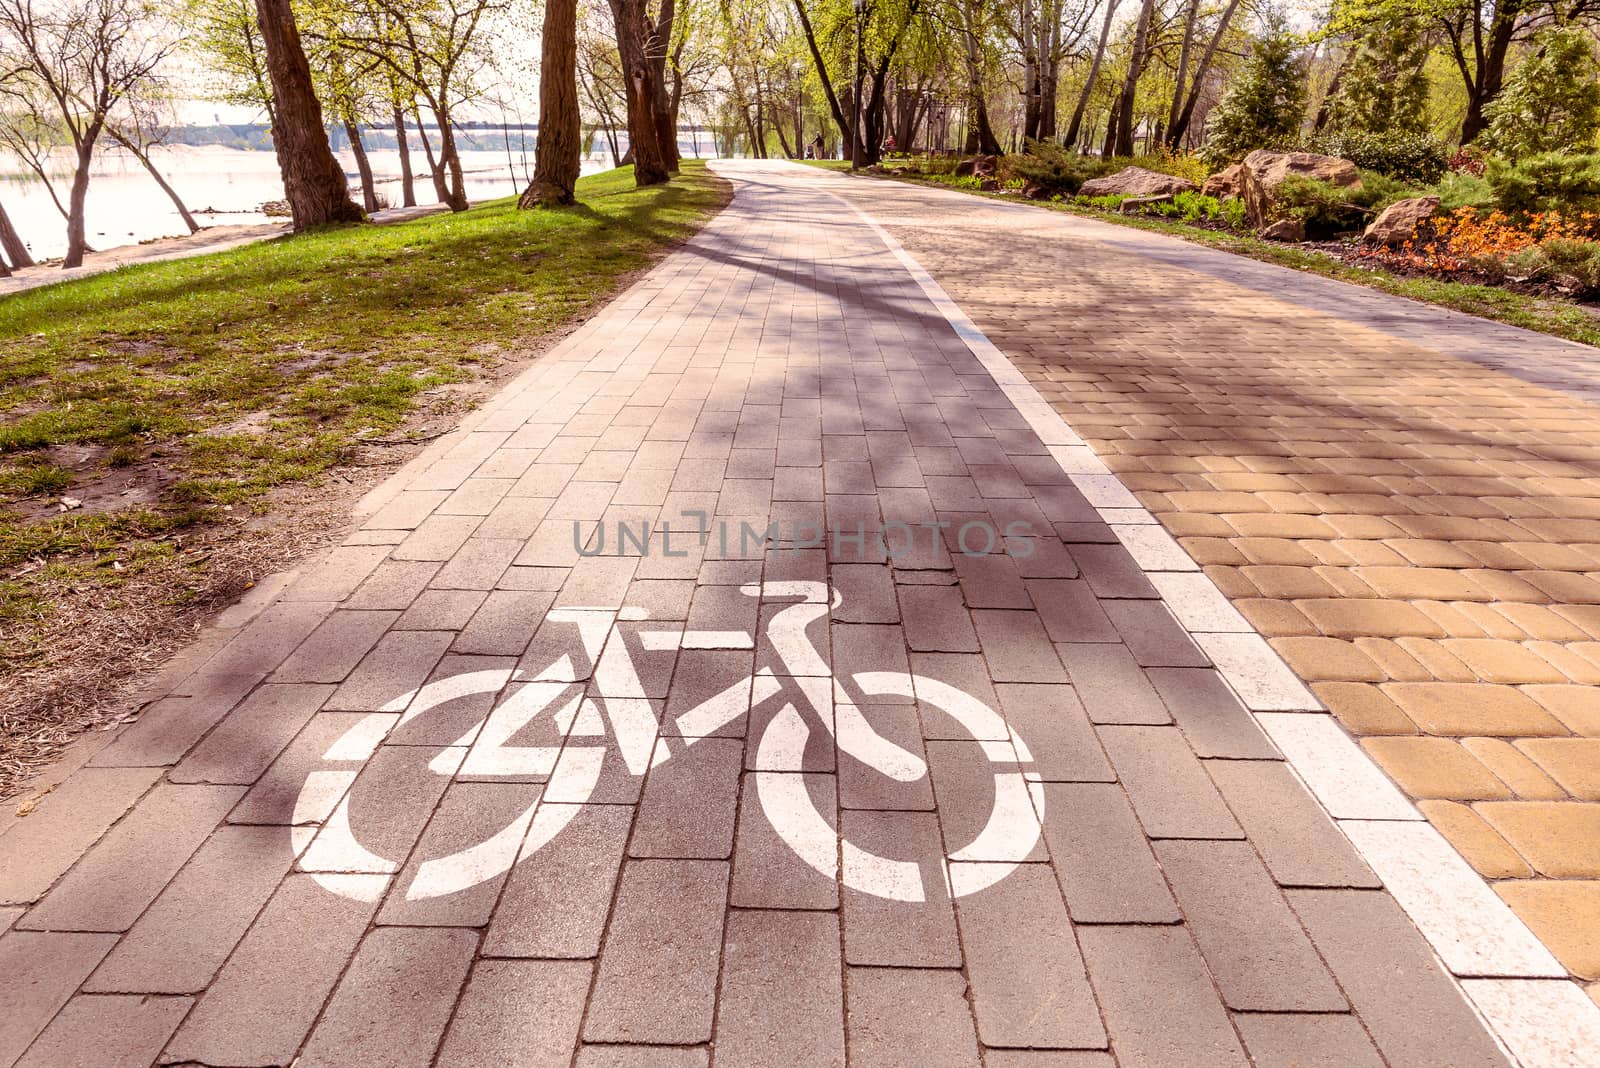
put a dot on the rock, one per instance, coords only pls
(1034, 191)
(1135, 182)
(276, 209)
(1400, 221)
(979, 166)
(1225, 184)
(989, 185)
(1285, 230)
(1132, 204)
(1263, 171)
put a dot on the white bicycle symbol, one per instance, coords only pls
(329, 847)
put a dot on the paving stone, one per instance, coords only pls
(1309, 1040)
(964, 672)
(967, 794)
(389, 803)
(1435, 768)
(1028, 1058)
(478, 564)
(337, 573)
(38, 850)
(489, 818)
(461, 692)
(1169, 789)
(861, 647)
(504, 624)
(1017, 648)
(1252, 944)
(182, 939)
(936, 620)
(1185, 1024)
(636, 1056)
(689, 801)
(268, 994)
(393, 1003)
(97, 1031)
(769, 872)
(555, 901)
(1112, 685)
(275, 798)
(1300, 845)
(909, 1018)
(1210, 716)
(1560, 839)
(708, 685)
(1565, 914)
(336, 647)
(393, 585)
(1028, 982)
(167, 729)
(917, 928)
(1101, 857)
(658, 971)
(42, 971)
(866, 592)
(991, 580)
(441, 610)
(397, 665)
(1153, 637)
(782, 998)
(863, 785)
(1111, 572)
(124, 872)
(1411, 1008)
(523, 1012)
(250, 738)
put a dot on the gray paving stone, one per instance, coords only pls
(182, 939)
(124, 872)
(166, 730)
(514, 517)
(518, 1012)
(275, 797)
(1210, 716)
(782, 997)
(397, 665)
(1156, 998)
(98, 1031)
(1070, 611)
(337, 573)
(1111, 572)
(598, 582)
(335, 648)
(1028, 982)
(767, 872)
(442, 610)
(1042, 1058)
(41, 973)
(393, 585)
(1253, 945)
(991, 581)
(555, 901)
(250, 737)
(437, 537)
(450, 720)
(393, 1003)
(658, 971)
(1306, 1040)
(1056, 731)
(936, 620)
(8, 917)
(865, 786)
(1290, 830)
(909, 1018)
(964, 790)
(478, 564)
(963, 671)
(1153, 636)
(1101, 857)
(268, 994)
(1414, 1012)
(634, 1056)
(39, 849)
(390, 802)
(1112, 685)
(471, 815)
(690, 801)
(1166, 783)
(504, 624)
(1017, 648)
(866, 593)
(897, 933)
(406, 509)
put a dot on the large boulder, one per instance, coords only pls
(1263, 171)
(1225, 184)
(977, 166)
(1136, 182)
(1401, 221)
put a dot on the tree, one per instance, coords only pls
(142, 122)
(1265, 106)
(557, 158)
(1119, 132)
(313, 181)
(1383, 87)
(1551, 102)
(649, 164)
(1178, 123)
(65, 67)
(1076, 124)
(11, 243)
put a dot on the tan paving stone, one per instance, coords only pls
(1560, 839)
(1565, 914)
(1435, 768)
(1475, 840)
(1572, 762)
(1328, 659)
(1363, 708)
(1472, 709)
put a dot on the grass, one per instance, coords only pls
(1545, 315)
(220, 378)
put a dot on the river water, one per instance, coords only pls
(220, 185)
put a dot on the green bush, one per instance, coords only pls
(1461, 189)
(1575, 264)
(1550, 181)
(1551, 102)
(1379, 190)
(1053, 168)
(1409, 157)
(1323, 207)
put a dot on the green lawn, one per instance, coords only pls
(1547, 315)
(228, 375)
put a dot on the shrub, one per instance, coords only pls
(1410, 157)
(1323, 207)
(1551, 102)
(1463, 189)
(1053, 168)
(1550, 181)
(1574, 264)
(1264, 105)
(1379, 190)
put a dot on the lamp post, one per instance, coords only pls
(857, 147)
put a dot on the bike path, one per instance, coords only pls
(753, 681)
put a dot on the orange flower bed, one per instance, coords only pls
(1467, 237)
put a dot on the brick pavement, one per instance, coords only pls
(1405, 500)
(471, 789)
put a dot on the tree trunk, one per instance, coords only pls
(450, 161)
(11, 242)
(1094, 72)
(369, 192)
(312, 179)
(556, 159)
(828, 93)
(408, 190)
(435, 170)
(77, 240)
(658, 40)
(1030, 74)
(1049, 72)
(1122, 143)
(649, 168)
(981, 137)
(1190, 17)
(172, 194)
(1490, 73)
(1180, 126)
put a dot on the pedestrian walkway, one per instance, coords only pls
(767, 676)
